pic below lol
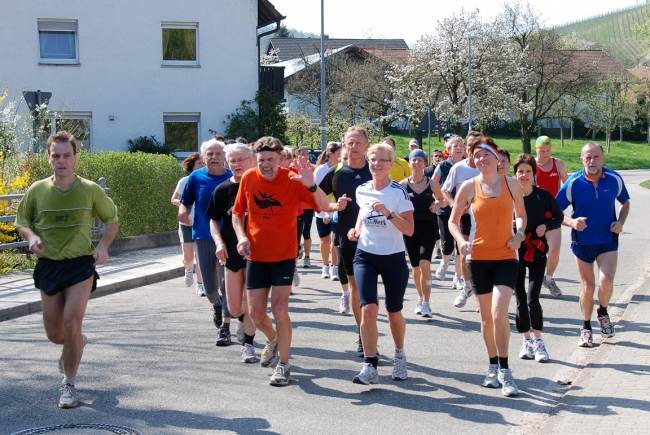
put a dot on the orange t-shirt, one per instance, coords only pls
(272, 208)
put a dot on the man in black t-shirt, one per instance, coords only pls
(342, 182)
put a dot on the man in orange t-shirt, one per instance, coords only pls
(270, 196)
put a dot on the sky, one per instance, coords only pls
(410, 19)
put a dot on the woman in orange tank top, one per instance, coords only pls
(491, 253)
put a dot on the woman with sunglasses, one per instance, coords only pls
(491, 251)
(385, 215)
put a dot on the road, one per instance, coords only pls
(151, 363)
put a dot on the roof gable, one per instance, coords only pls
(294, 48)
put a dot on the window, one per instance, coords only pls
(180, 44)
(77, 124)
(58, 42)
(182, 131)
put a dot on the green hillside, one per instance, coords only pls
(614, 33)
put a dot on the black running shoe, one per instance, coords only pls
(217, 317)
(224, 336)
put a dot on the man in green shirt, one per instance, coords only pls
(55, 217)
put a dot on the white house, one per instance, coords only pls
(123, 69)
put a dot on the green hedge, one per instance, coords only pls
(141, 185)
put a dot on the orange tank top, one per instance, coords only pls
(492, 224)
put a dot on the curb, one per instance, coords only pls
(102, 290)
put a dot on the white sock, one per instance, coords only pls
(399, 352)
(67, 380)
(548, 277)
(346, 293)
(420, 299)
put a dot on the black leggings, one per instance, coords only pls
(529, 310)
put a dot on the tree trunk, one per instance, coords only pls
(561, 134)
(649, 135)
(572, 129)
(593, 134)
(525, 140)
(608, 138)
(621, 136)
(417, 135)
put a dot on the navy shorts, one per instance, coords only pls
(324, 229)
(394, 274)
(262, 274)
(487, 274)
(52, 276)
(185, 233)
(589, 253)
(234, 262)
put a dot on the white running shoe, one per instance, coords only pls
(306, 263)
(344, 306)
(368, 375)
(399, 369)
(426, 310)
(68, 396)
(200, 290)
(509, 387)
(247, 353)
(541, 355)
(460, 283)
(334, 273)
(492, 376)
(526, 351)
(296, 278)
(189, 277)
(463, 294)
(418, 307)
(441, 271)
(325, 274)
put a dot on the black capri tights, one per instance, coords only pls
(529, 310)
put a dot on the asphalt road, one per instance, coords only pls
(151, 363)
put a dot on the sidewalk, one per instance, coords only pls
(612, 393)
(124, 271)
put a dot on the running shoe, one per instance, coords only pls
(247, 353)
(441, 271)
(217, 317)
(223, 339)
(418, 307)
(360, 353)
(460, 283)
(269, 354)
(527, 351)
(438, 254)
(281, 376)
(344, 306)
(301, 251)
(551, 286)
(239, 332)
(399, 369)
(509, 387)
(454, 282)
(586, 338)
(426, 310)
(606, 327)
(306, 263)
(541, 355)
(461, 299)
(368, 375)
(334, 273)
(85, 339)
(492, 376)
(189, 277)
(296, 278)
(200, 290)
(68, 397)
(325, 274)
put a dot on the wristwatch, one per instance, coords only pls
(390, 216)
(313, 188)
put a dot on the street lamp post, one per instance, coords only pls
(323, 125)
(469, 81)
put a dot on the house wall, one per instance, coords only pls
(120, 56)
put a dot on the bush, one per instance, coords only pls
(140, 184)
(147, 145)
(271, 121)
